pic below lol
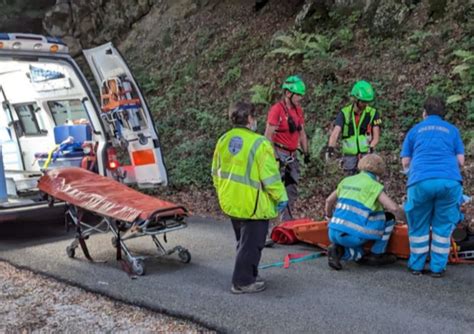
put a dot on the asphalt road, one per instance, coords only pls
(308, 297)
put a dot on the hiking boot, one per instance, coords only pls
(251, 288)
(417, 272)
(259, 279)
(437, 275)
(335, 253)
(372, 259)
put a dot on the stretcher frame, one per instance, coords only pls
(158, 223)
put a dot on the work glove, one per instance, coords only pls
(329, 153)
(282, 205)
(307, 158)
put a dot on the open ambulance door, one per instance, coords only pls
(126, 117)
(9, 126)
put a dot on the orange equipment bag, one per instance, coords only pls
(114, 95)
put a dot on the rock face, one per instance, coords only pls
(389, 17)
(87, 23)
(84, 23)
(383, 18)
(23, 15)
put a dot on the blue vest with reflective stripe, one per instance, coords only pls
(358, 211)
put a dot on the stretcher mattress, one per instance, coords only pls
(103, 195)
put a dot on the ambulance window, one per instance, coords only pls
(68, 110)
(27, 116)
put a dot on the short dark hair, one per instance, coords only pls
(434, 105)
(239, 112)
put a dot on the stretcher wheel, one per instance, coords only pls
(70, 251)
(138, 267)
(184, 256)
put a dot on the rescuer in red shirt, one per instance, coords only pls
(285, 129)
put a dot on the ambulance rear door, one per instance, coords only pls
(127, 117)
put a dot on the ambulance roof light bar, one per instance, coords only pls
(32, 42)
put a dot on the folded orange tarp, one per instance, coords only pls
(102, 195)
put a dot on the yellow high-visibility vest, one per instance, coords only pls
(246, 175)
(354, 142)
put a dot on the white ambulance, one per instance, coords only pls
(51, 118)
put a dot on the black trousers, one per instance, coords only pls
(250, 235)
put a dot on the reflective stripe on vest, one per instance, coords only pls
(357, 210)
(356, 227)
(353, 208)
(245, 179)
(357, 142)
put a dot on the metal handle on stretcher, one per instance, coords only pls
(156, 212)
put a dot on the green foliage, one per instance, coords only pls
(235, 60)
(318, 168)
(308, 46)
(468, 138)
(188, 162)
(203, 39)
(465, 69)
(190, 70)
(232, 75)
(345, 36)
(262, 94)
(317, 144)
(413, 53)
(147, 82)
(409, 110)
(419, 44)
(167, 39)
(219, 53)
(326, 100)
(461, 100)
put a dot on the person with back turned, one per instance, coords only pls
(432, 155)
(250, 191)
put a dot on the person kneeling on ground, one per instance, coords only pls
(359, 217)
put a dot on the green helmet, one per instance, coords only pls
(363, 91)
(295, 85)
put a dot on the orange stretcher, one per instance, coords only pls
(316, 233)
(113, 207)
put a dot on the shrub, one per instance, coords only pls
(308, 46)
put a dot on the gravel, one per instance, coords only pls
(30, 302)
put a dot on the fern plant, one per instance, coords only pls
(465, 71)
(308, 46)
(262, 94)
